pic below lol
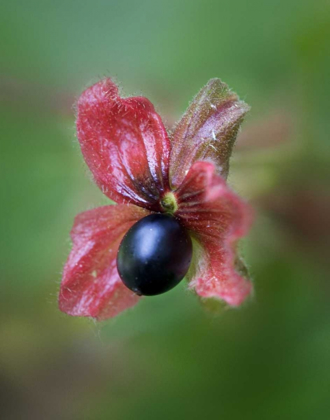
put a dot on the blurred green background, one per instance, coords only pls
(169, 357)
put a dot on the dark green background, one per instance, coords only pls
(170, 357)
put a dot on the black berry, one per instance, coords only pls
(154, 255)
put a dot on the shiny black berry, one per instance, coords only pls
(154, 255)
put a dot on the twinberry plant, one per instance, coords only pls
(176, 217)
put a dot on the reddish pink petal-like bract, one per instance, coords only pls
(207, 130)
(91, 285)
(217, 218)
(136, 163)
(125, 145)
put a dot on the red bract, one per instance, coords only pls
(139, 165)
